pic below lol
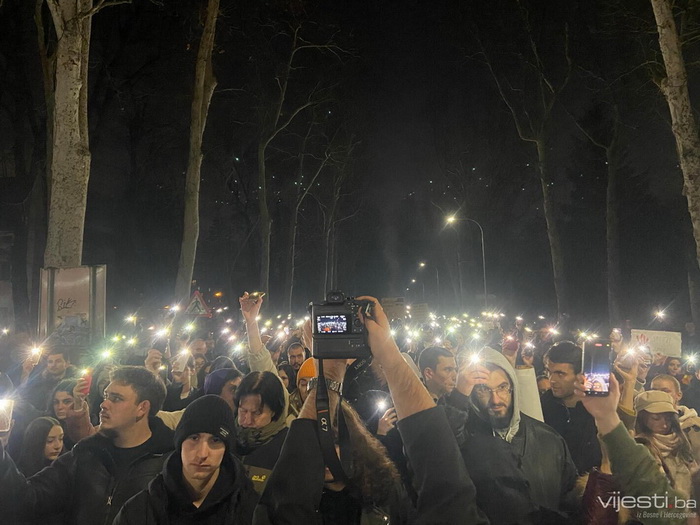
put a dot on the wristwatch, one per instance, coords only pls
(336, 386)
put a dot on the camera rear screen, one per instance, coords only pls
(596, 368)
(332, 324)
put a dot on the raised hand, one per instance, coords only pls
(387, 422)
(250, 306)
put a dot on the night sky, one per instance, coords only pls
(417, 97)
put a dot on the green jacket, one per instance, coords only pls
(646, 491)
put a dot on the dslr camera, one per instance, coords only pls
(338, 332)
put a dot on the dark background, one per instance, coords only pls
(420, 103)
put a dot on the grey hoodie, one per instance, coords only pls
(494, 357)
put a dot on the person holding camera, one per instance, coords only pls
(302, 490)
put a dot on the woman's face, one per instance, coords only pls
(284, 377)
(62, 402)
(228, 392)
(674, 367)
(54, 443)
(659, 423)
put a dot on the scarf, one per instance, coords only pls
(667, 445)
(688, 417)
(248, 439)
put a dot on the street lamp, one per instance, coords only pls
(422, 265)
(453, 219)
(422, 284)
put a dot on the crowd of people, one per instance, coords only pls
(435, 428)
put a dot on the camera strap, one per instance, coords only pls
(325, 428)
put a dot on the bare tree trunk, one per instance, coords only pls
(70, 164)
(48, 67)
(685, 129)
(693, 282)
(204, 85)
(265, 220)
(612, 233)
(550, 216)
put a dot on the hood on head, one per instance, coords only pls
(494, 357)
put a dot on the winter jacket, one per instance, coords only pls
(173, 402)
(446, 495)
(578, 429)
(81, 483)
(523, 473)
(259, 463)
(295, 492)
(639, 477)
(166, 502)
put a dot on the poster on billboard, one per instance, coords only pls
(72, 307)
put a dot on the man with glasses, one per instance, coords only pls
(521, 468)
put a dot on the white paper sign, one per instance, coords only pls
(667, 343)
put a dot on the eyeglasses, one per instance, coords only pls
(500, 391)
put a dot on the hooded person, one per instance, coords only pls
(202, 482)
(521, 467)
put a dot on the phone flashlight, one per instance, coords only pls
(6, 406)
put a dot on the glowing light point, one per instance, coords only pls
(381, 405)
(189, 327)
(132, 341)
(36, 350)
(106, 354)
(474, 359)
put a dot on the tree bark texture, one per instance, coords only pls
(612, 233)
(265, 219)
(685, 130)
(70, 160)
(550, 216)
(204, 85)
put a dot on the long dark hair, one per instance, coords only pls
(291, 374)
(268, 386)
(373, 473)
(641, 429)
(66, 385)
(32, 459)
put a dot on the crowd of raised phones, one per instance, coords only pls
(433, 429)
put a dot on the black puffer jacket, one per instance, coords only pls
(166, 502)
(81, 484)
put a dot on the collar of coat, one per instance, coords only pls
(160, 442)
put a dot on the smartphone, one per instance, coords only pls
(87, 375)
(596, 367)
(6, 406)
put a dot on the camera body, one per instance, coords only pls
(338, 331)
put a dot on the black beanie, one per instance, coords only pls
(209, 414)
